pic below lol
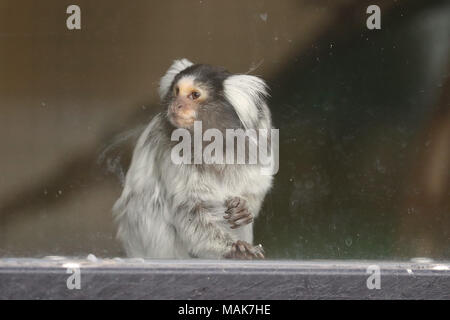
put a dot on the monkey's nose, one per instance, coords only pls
(176, 107)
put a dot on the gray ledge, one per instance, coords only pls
(199, 279)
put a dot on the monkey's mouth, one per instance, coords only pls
(180, 121)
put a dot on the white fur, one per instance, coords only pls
(245, 92)
(167, 79)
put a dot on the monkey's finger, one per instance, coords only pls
(233, 254)
(241, 247)
(232, 202)
(249, 247)
(235, 225)
(235, 210)
(257, 254)
(247, 254)
(247, 221)
(242, 205)
(260, 255)
(239, 210)
(258, 251)
(240, 216)
(242, 219)
(236, 203)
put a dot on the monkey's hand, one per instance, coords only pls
(244, 250)
(237, 213)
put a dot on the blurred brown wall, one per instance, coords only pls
(62, 92)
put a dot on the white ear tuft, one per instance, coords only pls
(247, 95)
(166, 80)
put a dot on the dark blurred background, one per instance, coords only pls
(364, 118)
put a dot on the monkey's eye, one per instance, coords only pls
(194, 95)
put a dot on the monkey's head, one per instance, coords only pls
(197, 94)
(212, 95)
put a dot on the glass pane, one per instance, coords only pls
(363, 117)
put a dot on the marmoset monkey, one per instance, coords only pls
(170, 210)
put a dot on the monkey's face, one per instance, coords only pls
(187, 98)
(196, 94)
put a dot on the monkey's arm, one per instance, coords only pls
(197, 227)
